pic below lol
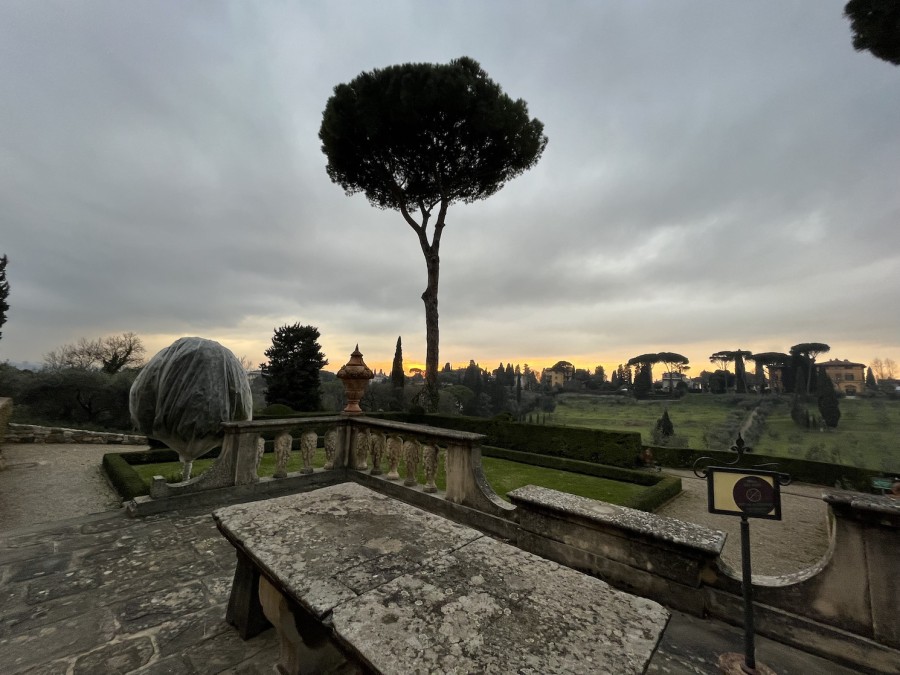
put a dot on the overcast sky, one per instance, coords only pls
(719, 175)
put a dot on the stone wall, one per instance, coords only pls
(5, 413)
(844, 608)
(29, 433)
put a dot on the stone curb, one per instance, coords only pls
(30, 433)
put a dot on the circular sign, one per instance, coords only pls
(754, 496)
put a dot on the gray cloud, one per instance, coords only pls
(716, 174)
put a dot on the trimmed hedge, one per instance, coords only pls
(615, 448)
(622, 449)
(125, 480)
(802, 470)
(661, 488)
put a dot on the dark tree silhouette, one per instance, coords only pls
(398, 379)
(805, 353)
(643, 381)
(828, 400)
(664, 425)
(419, 137)
(870, 379)
(875, 25)
(674, 363)
(4, 292)
(737, 357)
(292, 372)
(642, 363)
(769, 361)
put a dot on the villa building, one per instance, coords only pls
(848, 377)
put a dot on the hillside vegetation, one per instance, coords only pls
(868, 435)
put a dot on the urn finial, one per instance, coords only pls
(355, 375)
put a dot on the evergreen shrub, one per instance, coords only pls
(616, 448)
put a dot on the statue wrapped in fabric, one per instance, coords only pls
(185, 392)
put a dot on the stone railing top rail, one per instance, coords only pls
(435, 434)
(281, 424)
(863, 505)
(677, 532)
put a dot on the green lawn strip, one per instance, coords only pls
(506, 476)
(865, 438)
(692, 414)
(503, 475)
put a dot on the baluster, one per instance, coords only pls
(331, 439)
(260, 450)
(376, 449)
(308, 442)
(362, 450)
(430, 453)
(412, 451)
(283, 441)
(394, 448)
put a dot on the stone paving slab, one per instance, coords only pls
(105, 594)
(163, 552)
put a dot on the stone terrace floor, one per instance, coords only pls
(98, 594)
(107, 594)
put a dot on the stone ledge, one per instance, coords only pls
(30, 433)
(646, 525)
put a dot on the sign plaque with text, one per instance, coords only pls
(743, 492)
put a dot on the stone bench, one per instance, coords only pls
(355, 581)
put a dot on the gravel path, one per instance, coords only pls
(44, 483)
(794, 543)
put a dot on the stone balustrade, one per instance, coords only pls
(361, 444)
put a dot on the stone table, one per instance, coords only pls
(356, 580)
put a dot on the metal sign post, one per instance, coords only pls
(748, 493)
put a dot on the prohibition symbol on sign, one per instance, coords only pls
(744, 492)
(754, 496)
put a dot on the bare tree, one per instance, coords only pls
(110, 354)
(877, 366)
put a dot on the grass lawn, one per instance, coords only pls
(503, 475)
(867, 436)
(693, 415)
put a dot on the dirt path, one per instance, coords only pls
(794, 543)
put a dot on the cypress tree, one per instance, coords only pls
(643, 382)
(398, 379)
(870, 379)
(828, 401)
(664, 425)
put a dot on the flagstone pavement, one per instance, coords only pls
(102, 593)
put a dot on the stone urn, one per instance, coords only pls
(355, 375)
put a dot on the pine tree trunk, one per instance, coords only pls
(432, 332)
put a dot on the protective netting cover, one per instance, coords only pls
(186, 391)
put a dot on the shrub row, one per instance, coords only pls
(615, 448)
(124, 479)
(660, 488)
(802, 470)
(622, 449)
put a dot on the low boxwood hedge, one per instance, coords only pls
(614, 448)
(660, 487)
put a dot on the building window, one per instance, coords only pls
(848, 377)
(837, 377)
